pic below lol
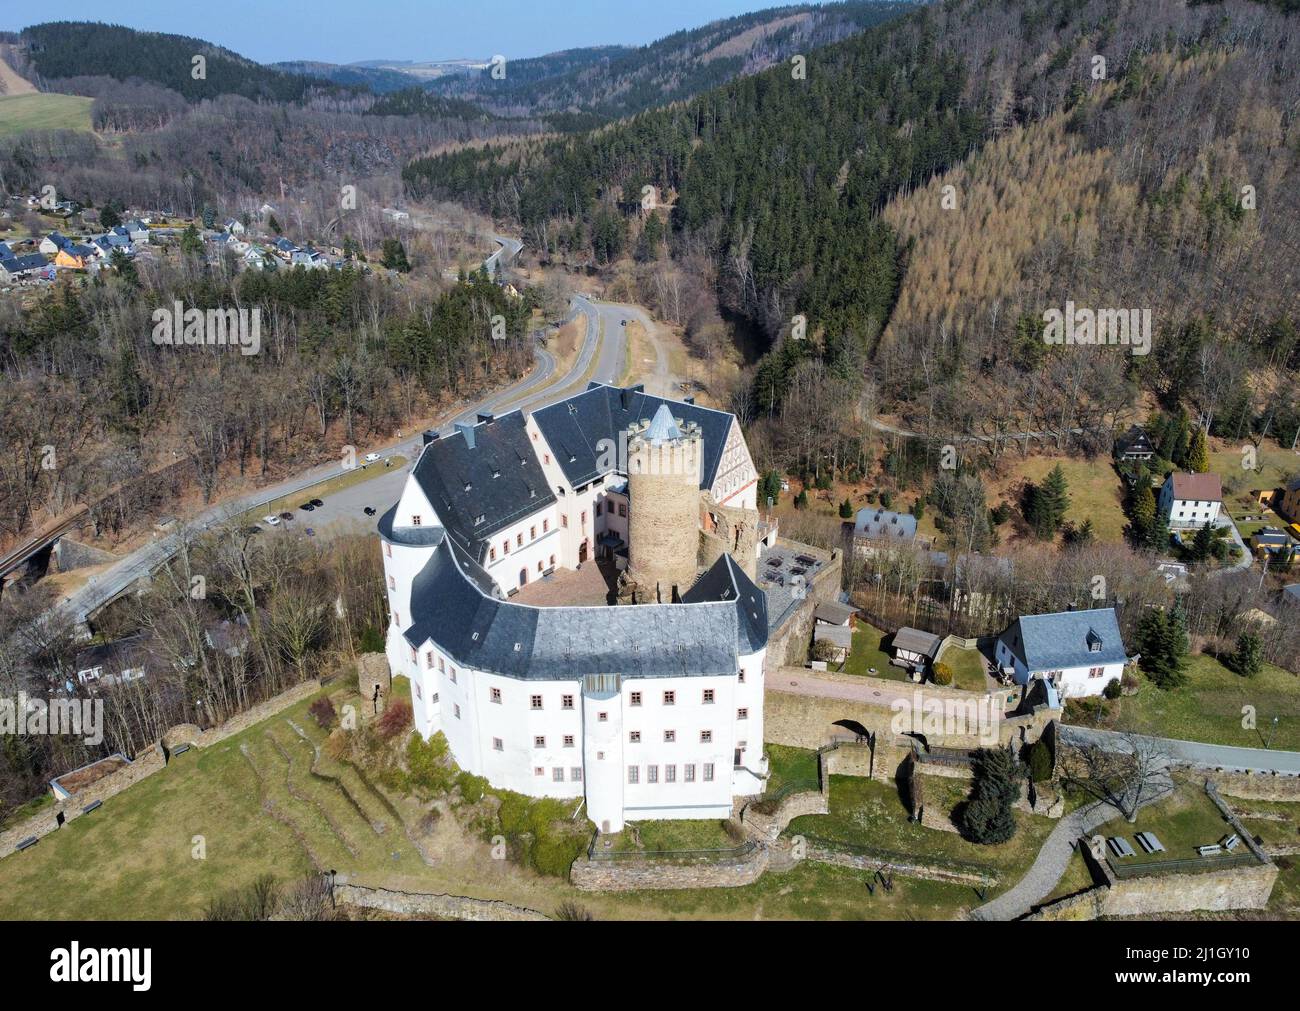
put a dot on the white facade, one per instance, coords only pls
(1186, 512)
(635, 744)
(1071, 682)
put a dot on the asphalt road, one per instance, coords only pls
(1206, 756)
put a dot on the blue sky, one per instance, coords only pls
(344, 31)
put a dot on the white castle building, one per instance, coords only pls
(572, 599)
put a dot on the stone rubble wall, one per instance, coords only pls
(451, 907)
(1257, 785)
(637, 875)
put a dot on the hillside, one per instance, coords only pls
(379, 80)
(68, 49)
(614, 81)
(825, 198)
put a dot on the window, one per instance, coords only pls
(442, 668)
(670, 774)
(575, 774)
(540, 567)
(505, 547)
(622, 510)
(492, 555)
(552, 561)
(708, 772)
(433, 699)
(1096, 672)
(539, 742)
(428, 660)
(636, 699)
(397, 618)
(557, 775)
(584, 519)
(568, 740)
(546, 525)
(457, 708)
(597, 508)
(708, 696)
(546, 458)
(742, 714)
(652, 773)
(634, 774)
(519, 540)
(670, 736)
(452, 674)
(392, 583)
(415, 521)
(388, 550)
(532, 533)
(706, 736)
(741, 676)
(535, 702)
(634, 737)
(688, 773)
(566, 701)
(418, 693)
(496, 695)
(415, 657)
(564, 522)
(498, 744)
(670, 698)
(602, 717)
(538, 771)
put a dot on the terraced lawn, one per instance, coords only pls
(968, 668)
(1184, 820)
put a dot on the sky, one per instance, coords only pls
(346, 31)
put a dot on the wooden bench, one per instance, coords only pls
(1149, 842)
(27, 843)
(1209, 851)
(94, 805)
(1230, 842)
(1120, 846)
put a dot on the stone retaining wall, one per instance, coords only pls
(864, 862)
(1257, 785)
(451, 907)
(637, 874)
(767, 827)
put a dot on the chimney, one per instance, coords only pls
(467, 430)
(429, 436)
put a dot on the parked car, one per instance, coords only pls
(369, 510)
(271, 521)
(371, 457)
(286, 516)
(317, 503)
(306, 507)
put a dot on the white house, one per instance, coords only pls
(1191, 500)
(646, 711)
(1079, 652)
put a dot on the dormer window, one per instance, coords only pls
(415, 521)
(1094, 641)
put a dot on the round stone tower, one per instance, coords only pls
(665, 459)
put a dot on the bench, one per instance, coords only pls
(1149, 842)
(27, 843)
(180, 749)
(1120, 846)
(1209, 851)
(92, 806)
(1231, 842)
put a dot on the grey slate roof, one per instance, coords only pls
(574, 427)
(915, 641)
(1057, 641)
(482, 479)
(883, 524)
(481, 631)
(834, 612)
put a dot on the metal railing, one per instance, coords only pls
(1181, 865)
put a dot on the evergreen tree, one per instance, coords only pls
(1198, 454)
(274, 225)
(1159, 538)
(1048, 504)
(988, 817)
(1162, 642)
(846, 510)
(1203, 543)
(191, 244)
(1248, 660)
(394, 256)
(1142, 513)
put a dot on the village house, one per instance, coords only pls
(21, 268)
(1134, 446)
(883, 525)
(1190, 500)
(914, 650)
(1079, 652)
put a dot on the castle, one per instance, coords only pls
(573, 600)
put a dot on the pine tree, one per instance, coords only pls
(1203, 543)
(988, 817)
(1050, 501)
(1142, 515)
(1248, 660)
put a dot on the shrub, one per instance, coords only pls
(571, 911)
(395, 718)
(322, 711)
(426, 761)
(823, 650)
(942, 674)
(371, 640)
(1112, 689)
(1040, 761)
(886, 498)
(472, 788)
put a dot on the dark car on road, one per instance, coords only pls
(306, 507)
(286, 516)
(317, 503)
(369, 511)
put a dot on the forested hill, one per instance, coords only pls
(615, 81)
(379, 80)
(66, 49)
(782, 181)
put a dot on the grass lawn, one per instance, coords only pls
(866, 653)
(864, 812)
(1182, 821)
(1209, 707)
(683, 834)
(1077, 878)
(794, 767)
(347, 479)
(43, 111)
(968, 668)
(1096, 491)
(1273, 465)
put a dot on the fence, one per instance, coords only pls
(1125, 872)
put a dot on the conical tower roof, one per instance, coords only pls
(663, 427)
